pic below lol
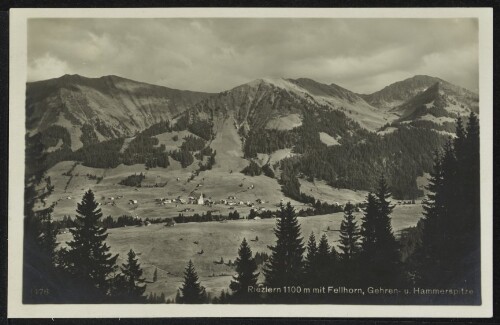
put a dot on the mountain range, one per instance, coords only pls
(300, 126)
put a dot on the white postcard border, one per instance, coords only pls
(17, 79)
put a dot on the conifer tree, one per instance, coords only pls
(87, 258)
(349, 248)
(285, 265)
(129, 284)
(323, 262)
(40, 257)
(425, 259)
(155, 275)
(310, 260)
(472, 203)
(47, 239)
(388, 261)
(449, 254)
(246, 276)
(379, 260)
(349, 235)
(459, 142)
(191, 292)
(368, 226)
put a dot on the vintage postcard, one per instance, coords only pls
(250, 162)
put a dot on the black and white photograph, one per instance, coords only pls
(335, 161)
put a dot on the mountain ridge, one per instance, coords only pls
(112, 106)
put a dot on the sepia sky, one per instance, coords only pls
(363, 55)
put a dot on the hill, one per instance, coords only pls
(96, 109)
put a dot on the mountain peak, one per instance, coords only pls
(399, 92)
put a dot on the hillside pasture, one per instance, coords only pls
(328, 139)
(170, 248)
(323, 192)
(287, 122)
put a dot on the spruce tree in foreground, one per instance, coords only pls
(285, 265)
(47, 238)
(87, 258)
(349, 235)
(324, 262)
(387, 260)
(191, 292)
(310, 260)
(129, 284)
(246, 277)
(449, 254)
(349, 247)
(379, 260)
(368, 226)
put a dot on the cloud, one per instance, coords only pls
(47, 67)
(217, 54)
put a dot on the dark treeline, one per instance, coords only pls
(133, 180)
(183, 156)
(88, 136)
(199, 127)
(192, 143)
(51, 136)
(290, 185)
(267, 141)
(207, 151)
(253, 169)
(104, 154)
(157, 128)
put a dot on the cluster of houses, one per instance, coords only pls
(201, 200)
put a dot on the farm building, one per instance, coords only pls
(132, 201)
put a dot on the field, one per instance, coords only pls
(172, 182)
(169, 248)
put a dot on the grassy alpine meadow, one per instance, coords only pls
(170, 248)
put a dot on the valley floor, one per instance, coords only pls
(170, 248)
